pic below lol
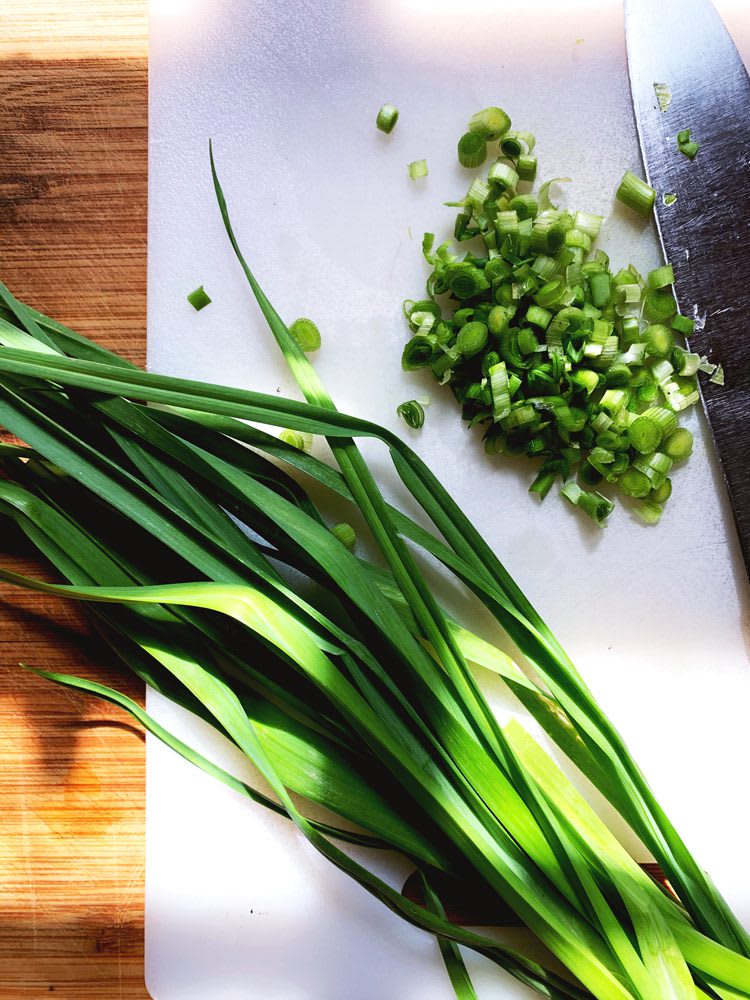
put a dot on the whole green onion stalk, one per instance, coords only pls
(365, 679)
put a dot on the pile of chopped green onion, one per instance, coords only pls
(344, 681)
(554, 353)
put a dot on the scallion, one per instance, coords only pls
(490, 123)
(412, 413)
(345, 534)
(306, 333)
(199, 299)
(679, 445)
(300, 440)
(685, 145)
(387, 118)
(636, 193)
(472, 150)
(663, 95)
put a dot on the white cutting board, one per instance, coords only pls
(238, 906)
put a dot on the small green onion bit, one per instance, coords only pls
(636, 194)
(685, 145)
(668, 198)
(644, 435)
(649, 511)
(490, 123)
(387, 118)
(634, 483)
(596, 506)
(472, 338)
(663, 95)
(526, 167)
(417, 169)
(345, 534)
(300, 440)
(660, 277)
(679, 445)
(412, 413)
(198, 299)
(662, 493)
(306, 333)
(472, 150)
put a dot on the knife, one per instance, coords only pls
(705, 234)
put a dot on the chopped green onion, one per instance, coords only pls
(199, 299)
(685, 145)
(683, 324)
(478, 193)
(660, 277)
(649, 511)
(662, 493)
(663, 95)
(301, 440)
(706, 366)
(597, 507)
(659, 305)
(665, 418)
(538, 317)
(472, 150)
(412, 413)
(655, 466)
(600, 285)
(588, 223)
(581, 355)
(501, 404)
(636, 194)
(525, 206)
(502, 175)
(490, 123)
(718, 376)
(668, 198)
(419, 352)
(634, 483)
(417, 169)
(679, 444)
(685, 362)
(345, 534)
(307, 335)
(526, 167)
(498, 319)
(472, 338)
(517, 144)
(644, 435)
(387, 118)
(659, 340)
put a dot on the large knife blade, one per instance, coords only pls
(705, 234)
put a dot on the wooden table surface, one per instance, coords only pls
(73, 144)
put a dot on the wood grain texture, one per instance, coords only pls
(73, 147)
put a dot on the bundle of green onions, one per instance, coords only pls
(362, 695)
(557, 356)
